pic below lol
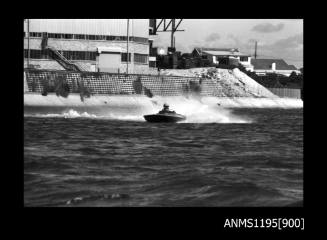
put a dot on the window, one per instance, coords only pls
(36, 54)
(77, 55)
(65, 54)
(68, 36)
(100, 37)
(88, 37)
(124, 57)
(93, 56)
(70, 55)
(140, 58)
(57, 35)
(110, 38)
(79, 36)
(243, 59)
(35, 34)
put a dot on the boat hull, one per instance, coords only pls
(164, 117)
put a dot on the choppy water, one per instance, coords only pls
(90, 161)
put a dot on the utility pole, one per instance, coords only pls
(28, 43)
(127, 43)
(255, 50)
(174, 41)
(172, 32)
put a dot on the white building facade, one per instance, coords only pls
(90, 43)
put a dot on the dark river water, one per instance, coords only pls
(99, 162)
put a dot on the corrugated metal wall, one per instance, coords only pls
(115, 27)
(286, 92)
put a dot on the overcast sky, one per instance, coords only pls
(277, 38)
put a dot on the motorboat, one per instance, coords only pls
(165, 115)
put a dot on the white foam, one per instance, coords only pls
(131, 108)
(137, 118)
(71, 113)
(197, 111)
(194, 109)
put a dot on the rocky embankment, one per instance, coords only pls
(233, 83)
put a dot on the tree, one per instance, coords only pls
(293, 77)
(293, 74)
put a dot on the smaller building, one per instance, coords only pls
(229, 56)
(278, 66)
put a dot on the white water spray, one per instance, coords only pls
(71, 113)
(193, 108)
(198, 112)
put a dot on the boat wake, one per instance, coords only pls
(72, 113)
(198, 112)
(194, 110)
(66, 114)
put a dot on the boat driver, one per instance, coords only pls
(165, 109)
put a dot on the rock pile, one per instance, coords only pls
(233, 83)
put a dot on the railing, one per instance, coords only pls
(62, 60)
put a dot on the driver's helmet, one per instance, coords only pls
(166, 105)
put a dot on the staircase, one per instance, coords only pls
(65, 63)
(56, 55)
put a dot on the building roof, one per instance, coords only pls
(220, 51)
(266, 64)
(224, 53)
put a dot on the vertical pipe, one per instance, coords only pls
(28, 43)
(172, 33)
(255, 50)
(127, 43)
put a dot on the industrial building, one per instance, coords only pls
(97, 45)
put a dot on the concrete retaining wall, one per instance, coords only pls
(130, 92)
(107, 83)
